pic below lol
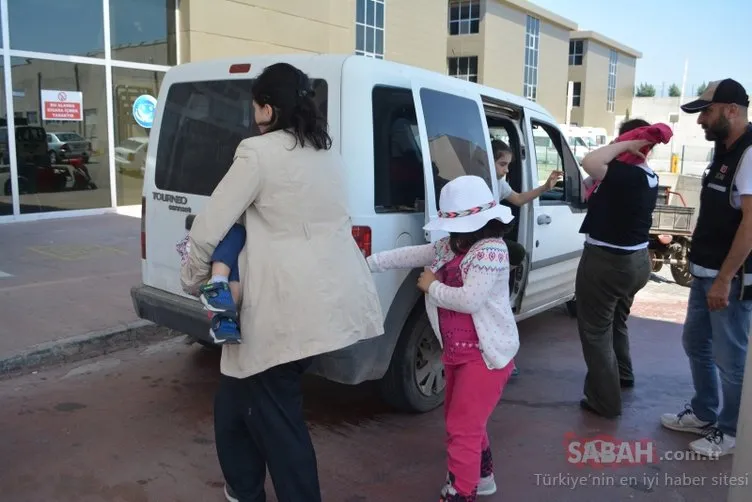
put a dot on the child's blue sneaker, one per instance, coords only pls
(217, 297)
(224, 329)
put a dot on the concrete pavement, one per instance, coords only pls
(136, 426)
(67, 278)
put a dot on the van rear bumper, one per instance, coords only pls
(366, 360)
(171, 311)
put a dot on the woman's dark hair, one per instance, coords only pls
(460, 243)
(629, 125)
(498, 147)
(288, 91)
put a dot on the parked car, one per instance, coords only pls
(374, 109)
(35, 171)
(67, 145)
(130, 155)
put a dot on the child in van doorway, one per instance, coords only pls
(503, 158)
(466, 283)
(221, 293)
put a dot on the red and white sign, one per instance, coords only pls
(62, 105)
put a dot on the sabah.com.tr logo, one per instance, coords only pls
(607, 451)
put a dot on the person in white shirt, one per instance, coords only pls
(503, 156)
(719, 309)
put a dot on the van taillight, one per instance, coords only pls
(240, 68)
(362, 236)
(143, 228)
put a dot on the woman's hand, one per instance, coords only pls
(636, 145)
(426, 279)
(553, 179)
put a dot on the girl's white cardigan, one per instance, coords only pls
(484, 294)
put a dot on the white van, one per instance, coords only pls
(403, 132)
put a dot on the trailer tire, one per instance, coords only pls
(681, 275)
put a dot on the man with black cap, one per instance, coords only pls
(720, 300)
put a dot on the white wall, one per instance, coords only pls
(689, 140)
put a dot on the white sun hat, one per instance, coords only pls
(466, 205)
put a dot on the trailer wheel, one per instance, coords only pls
(655, 263)
(680, 271)
(681, 274)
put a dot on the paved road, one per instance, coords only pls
(136, 427)
(66, 277)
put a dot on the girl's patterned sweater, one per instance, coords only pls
(484, 294)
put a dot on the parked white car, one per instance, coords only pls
(130, 155)
(402, 131)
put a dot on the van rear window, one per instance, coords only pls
(202, 125)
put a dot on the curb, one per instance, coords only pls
(80, 347)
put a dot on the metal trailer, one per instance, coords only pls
(671, 237)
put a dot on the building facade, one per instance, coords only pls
(602, 72)
(80, 141)
(512, 45)
(81, 87)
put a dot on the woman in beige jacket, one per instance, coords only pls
(306, 287)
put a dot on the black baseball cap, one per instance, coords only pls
(727, 91)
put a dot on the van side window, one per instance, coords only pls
(458, 145)
(399, 185)
(202, 125)
(552, 153)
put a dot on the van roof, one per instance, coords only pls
(206, 70)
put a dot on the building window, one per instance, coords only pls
(464, 17)
(576, 52)
(369, 28)
(465, 68)
(532, 43)
(576, 93)
(611, 98)
(69, 99)
(143, 31)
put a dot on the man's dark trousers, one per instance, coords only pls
(607, 282)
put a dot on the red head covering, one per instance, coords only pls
(656, 133)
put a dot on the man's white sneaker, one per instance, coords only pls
(685, 421)
(714, 445)
(487, 485)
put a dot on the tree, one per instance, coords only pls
(645, 91)
(701, 88)
(674, 91)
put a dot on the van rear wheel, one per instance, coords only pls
(415, 380)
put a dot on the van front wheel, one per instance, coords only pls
(415, 381)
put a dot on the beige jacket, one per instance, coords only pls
(306, 287)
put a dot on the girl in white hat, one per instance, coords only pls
(467, 300)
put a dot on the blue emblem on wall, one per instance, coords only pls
(143, 110)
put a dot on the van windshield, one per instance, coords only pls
(202, 125)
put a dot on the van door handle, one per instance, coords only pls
(189, 221)
(544, 219)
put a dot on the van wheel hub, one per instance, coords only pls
(429, 370)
